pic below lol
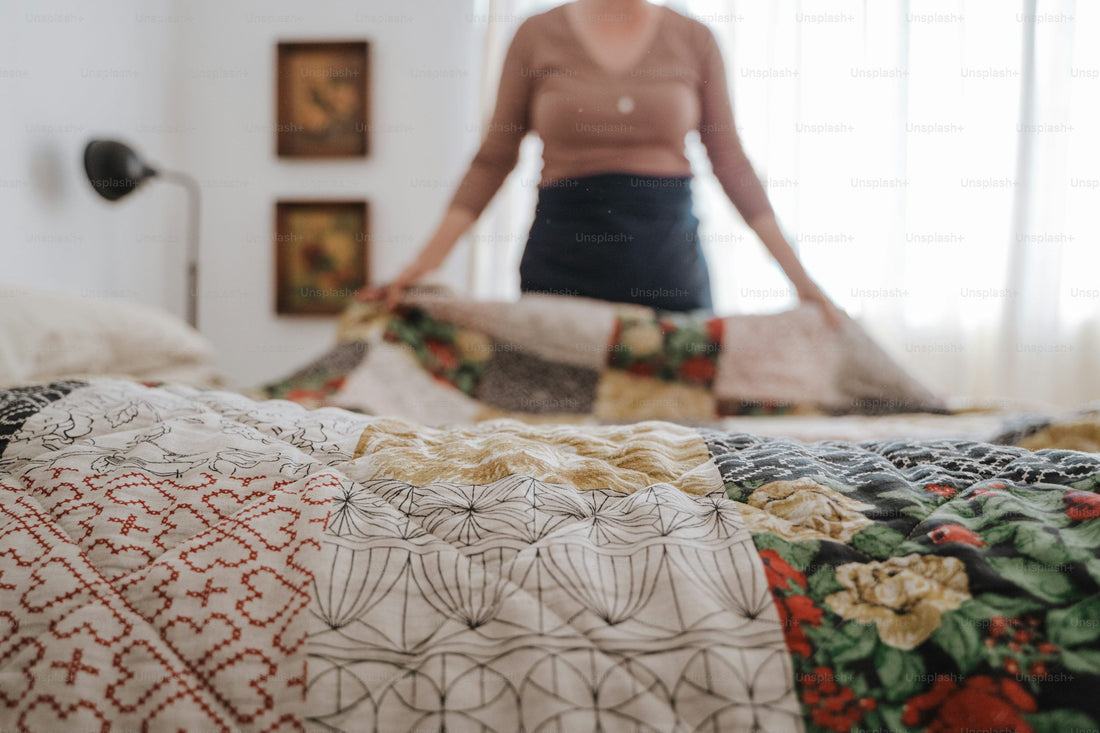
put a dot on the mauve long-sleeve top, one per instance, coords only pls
(593, 120)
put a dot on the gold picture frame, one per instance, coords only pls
(322, 99)
(321, 255)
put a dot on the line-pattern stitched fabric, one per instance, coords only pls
(19, 403)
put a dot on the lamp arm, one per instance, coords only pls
(194, 204)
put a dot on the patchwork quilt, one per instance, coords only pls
(174, 559)
(441, 359)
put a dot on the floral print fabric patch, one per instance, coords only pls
(946, 586)
(453, 355)
(314, 385)
(682, 349)
(669, 347)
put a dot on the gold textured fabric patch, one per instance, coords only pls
(622, 458)
(623, 396)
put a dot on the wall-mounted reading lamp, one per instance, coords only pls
(115, 170)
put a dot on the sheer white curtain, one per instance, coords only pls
(936, 163)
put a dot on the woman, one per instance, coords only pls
(612, 87)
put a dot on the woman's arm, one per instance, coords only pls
(767, 229)
(734, 171)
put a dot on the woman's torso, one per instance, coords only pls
(595, 120)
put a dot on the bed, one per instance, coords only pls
(179, 558)
(550, 515)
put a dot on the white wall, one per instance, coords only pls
(68, 74)
(190, 83)
(423, 87)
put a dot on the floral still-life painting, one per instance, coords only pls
(320, 255)
(323, 99)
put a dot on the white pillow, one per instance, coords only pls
(49, 336)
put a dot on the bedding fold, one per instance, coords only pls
(442, 359)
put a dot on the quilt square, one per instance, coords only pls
(671, 347)
(522, 382)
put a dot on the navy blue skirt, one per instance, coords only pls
(618, 237)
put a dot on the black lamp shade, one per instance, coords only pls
(114, 169)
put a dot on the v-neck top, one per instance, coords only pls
(592, 120)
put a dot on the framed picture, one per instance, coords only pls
(322, 99)
(320, 255)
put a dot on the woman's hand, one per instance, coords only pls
(811, 293)
(774, 241)
(389, 294)
(767, 228)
